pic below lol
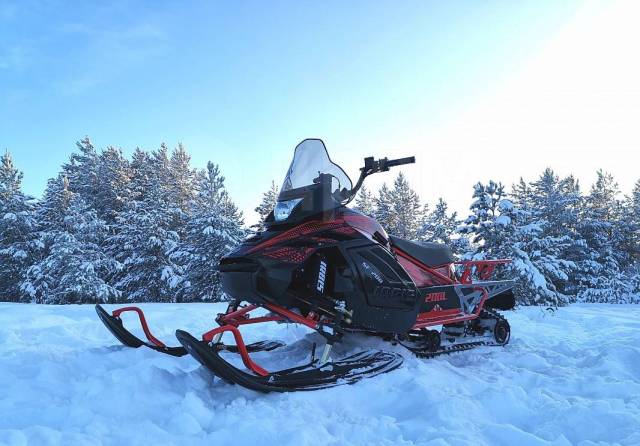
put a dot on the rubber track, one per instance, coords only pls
(463, 346)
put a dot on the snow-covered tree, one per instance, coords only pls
(142, 244)
(81, 171)
(147, 232)
(17, 230)
(73, 267)
(604, 229)
(399, 210)
(552, 206)
(365, 202)
(142, 174)
(182, 179)
(113, 191)
(214, 230)
(441, 227)
(632, 215)
(268, 203)
(407, 209)
(438, 226)
(383, 208)
(498, 229)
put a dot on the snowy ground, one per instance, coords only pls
(568, 378)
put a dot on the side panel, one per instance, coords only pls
(386, 299)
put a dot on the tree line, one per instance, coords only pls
(566, 246)
(150, 228)
(111, 229)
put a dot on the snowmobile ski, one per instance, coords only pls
(312, 376)
(116, 327)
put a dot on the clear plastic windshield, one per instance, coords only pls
(309, 161)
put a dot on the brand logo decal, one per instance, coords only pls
(322, 274)
(373, 273)
(435, 297)
(402, 294)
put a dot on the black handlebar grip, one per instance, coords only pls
(401, 161)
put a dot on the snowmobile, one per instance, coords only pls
(337, 272)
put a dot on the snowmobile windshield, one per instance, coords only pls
(311, 159)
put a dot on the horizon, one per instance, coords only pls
(499, 92)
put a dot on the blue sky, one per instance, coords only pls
(240, 83)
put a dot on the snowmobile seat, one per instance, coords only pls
(431, 254)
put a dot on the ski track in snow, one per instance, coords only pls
(572, 377)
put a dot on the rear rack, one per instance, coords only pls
(483, 269)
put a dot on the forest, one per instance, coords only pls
(151, 228)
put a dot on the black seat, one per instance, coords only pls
(431, 254)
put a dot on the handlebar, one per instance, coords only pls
(401, 161)
(372, 166)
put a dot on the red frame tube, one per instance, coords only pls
(447, 280)
(151, 338)
(242, 348)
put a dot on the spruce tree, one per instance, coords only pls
(383, 208)
(266, 206)
(17, 230)
(365, 202)
(553, 242)
(82, 171)
(147, 233)
(498, 229)
(214, 229)
(603, 227)
(438, 226)
(407, 209)
(113, 190)
(72, 267)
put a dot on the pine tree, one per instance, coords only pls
(82, 171)
(485, 223)
(214, 229)
(142, 244)
(604, 229)
(266, 206)
(406, 209)
(498, 229)
(632, 215)
(553, 243)
(147, 233)
(438, 226)
(113, 190)
(73, 267)
(365, 202)
(182, 179)
(142, 174)
(383, 208)
(17, 230)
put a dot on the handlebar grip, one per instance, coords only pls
(401, 161)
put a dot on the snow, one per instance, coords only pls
(569, 377)
(503, 220)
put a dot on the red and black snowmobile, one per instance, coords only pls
(336, 271)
